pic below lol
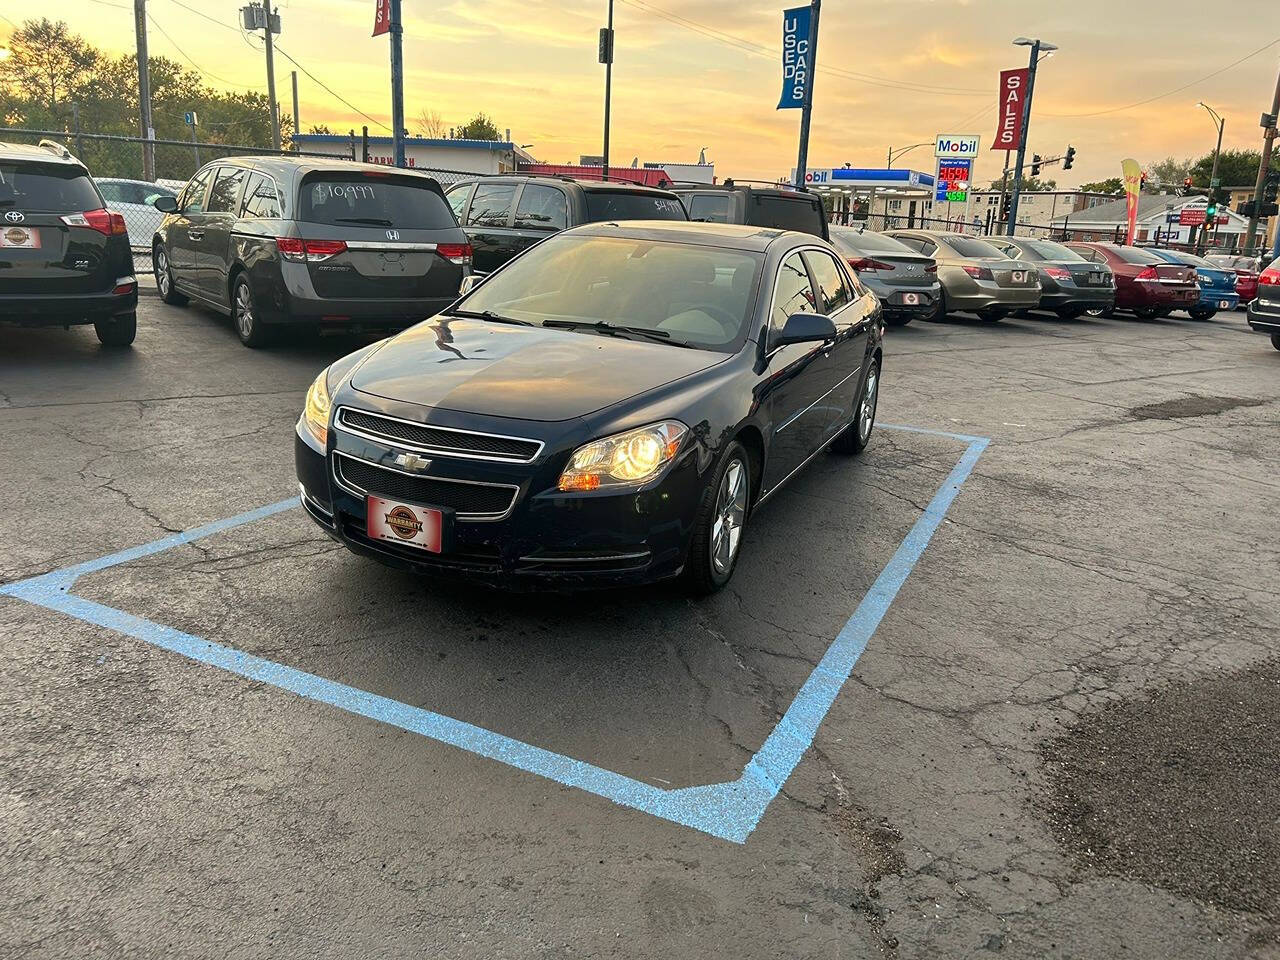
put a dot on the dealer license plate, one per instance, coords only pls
(407, 524)
(1019, 276)
(911, 299)
(1095, 278)
(24, 238)
(1224, 304)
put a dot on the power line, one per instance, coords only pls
(199, 69)
(320, 83)
(1167, 93)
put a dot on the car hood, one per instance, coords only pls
(526, 373)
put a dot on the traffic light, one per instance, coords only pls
(1210, 210)
(1186, 186)
(1144, 180)
(1005, 201)
(1069, 158)
(1270, 187)
(1035, 164)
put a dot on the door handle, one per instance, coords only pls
(195, 234)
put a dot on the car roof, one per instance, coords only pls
(301, 166)
(41, 153)
(732, 235)
(611, 186)
(731, 187)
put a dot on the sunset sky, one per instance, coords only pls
(890, 73)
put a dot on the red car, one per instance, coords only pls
(1146, 284)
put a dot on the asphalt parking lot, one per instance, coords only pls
(1057, 742)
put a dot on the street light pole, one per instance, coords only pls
(1267, 142)
(1220, 123)
(606, 57)
(1036, 46)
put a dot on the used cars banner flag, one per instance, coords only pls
(795, 57)
(382, 18)
(1132, 189)
(1013, 96)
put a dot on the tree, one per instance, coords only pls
(319, 128)
(430, 124)
(479, 127)
(1166, 176)
(1028, 184)
(1109, 185)
(1236, 168)
(48, 69)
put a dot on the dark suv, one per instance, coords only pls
(505, 215)
(64, 258)
(278, 241)
(756, 206)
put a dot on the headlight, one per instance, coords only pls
(625, 459)
(316, 412)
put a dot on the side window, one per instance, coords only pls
(260, 198)
(491, 205)
(457, 198)
(111, 192)
(193, 196)
(709, 208)
(833, 290)
(222, 198)
(793, 293)
(542, 208)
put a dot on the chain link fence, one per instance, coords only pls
(118, 164)
(974, 227)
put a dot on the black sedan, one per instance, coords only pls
(608, 408)
(1070, 285)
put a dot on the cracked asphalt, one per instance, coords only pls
(1104, 581)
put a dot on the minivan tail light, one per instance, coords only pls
(298, 250)
(459, 253)
(866, 263)
(978, 273)
(105, 222)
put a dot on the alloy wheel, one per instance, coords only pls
(731, 514)
(867, 411)
(244, 311)
(160, 263)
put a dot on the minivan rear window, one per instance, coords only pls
(605, 205)
(373, 200)
(787, 213)
(46, 188)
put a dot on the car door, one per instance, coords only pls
(541, 210)
(213, 252)
(178, 240)
(489, 225)
(796, 376)
(850, 307)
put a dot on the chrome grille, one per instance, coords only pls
(442, 441)
(471, 501)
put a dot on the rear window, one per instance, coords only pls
(708, 208)
(1134, 255)
(357, 199)
(972, 247)
(787, 213)
(46, 188)
(853, 241)
(619, 205)
(1048, 250)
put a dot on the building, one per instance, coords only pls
(851, 192)
(461, 156)
(1037, 208)
(641, 175)
(1157, 222)
(1239, 195)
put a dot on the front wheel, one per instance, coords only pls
(117, 331)
(719, 523)
(164, 276)
(857, 435)
(244, 314)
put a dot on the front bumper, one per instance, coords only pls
(31, 309)
(1264, 317)
(548, 538)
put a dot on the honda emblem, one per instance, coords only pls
(393, 234)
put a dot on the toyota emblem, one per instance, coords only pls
(393, 234)
(14, 216)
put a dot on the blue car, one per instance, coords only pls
(1217, 285)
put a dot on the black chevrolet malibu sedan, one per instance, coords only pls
(608, 408)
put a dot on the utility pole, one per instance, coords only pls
(144, 91)
(1220, 123)
(806, 112)
(297, 124)
(1268, 141)
(271, 79)
(1004, 184)
(606, 57)
(397, 85)
(1036, 46)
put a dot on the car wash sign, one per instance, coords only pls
(795, 57)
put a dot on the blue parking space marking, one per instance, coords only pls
(730, 810)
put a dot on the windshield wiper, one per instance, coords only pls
(616, 330)
(372, 221)
(488, 315)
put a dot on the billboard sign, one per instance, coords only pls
(795, 57)
(954, 177)
(1013, 94)
(954, 145)
(1191, 216)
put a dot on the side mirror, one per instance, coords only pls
(469, 283)
(806, 328)
(166, 204)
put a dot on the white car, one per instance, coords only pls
(133, 199)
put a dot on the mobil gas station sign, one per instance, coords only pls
(957, 146)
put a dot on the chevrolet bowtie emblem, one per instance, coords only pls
(411, 461)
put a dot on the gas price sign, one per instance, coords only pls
(954, 175)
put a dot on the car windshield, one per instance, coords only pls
(868, 241)
(46, 188)
(604, 205)
(374, 200)
(694, 295)
(973, 247)
(1048, 250)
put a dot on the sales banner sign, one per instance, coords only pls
(382, 18)
(795, 57)
(1132, 190)
(954, 177)
(1013, 97)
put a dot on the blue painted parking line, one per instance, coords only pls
(728, 810)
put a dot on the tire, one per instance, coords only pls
(1146, 313)
(857, 435)
(1201, 314)
(939, 312)
(1069, 313)
(1275, 340)
(719, 523)
(1162, 313)
(1105, 312)
(244, 315)
(993, 314)
(164, 277)
(117, 331)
